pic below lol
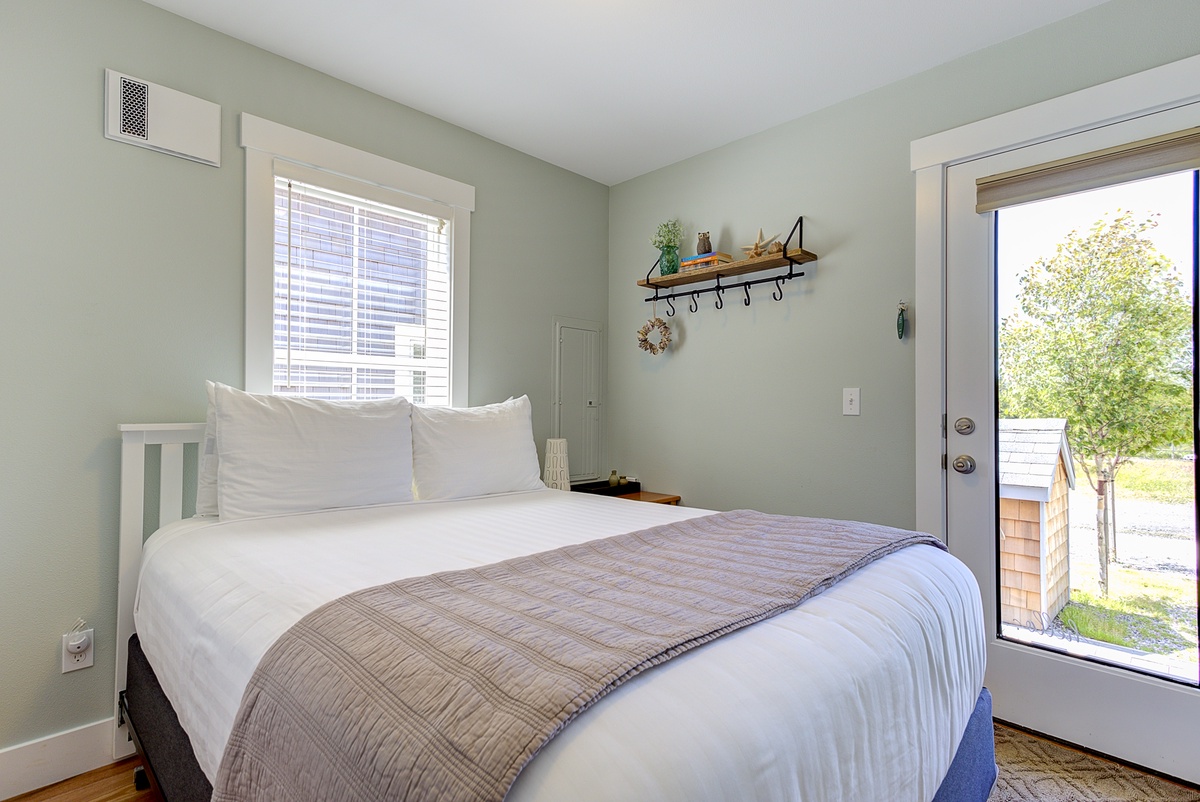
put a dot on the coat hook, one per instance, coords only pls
(778, 294)
(694, 306)
(670, 306)
(746, 287)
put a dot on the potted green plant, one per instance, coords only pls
(667, 239)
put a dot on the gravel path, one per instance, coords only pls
(1151, 535)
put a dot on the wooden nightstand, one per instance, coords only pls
(653, 498)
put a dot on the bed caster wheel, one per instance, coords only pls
(140, 780)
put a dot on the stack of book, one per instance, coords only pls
(704, 260)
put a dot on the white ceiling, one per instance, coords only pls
(612, 89)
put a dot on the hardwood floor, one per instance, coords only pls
(106, 784)
(1031, 770)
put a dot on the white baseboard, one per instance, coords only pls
(36, 764)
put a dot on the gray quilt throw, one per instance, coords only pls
(443, 687)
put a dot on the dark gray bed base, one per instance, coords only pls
(171, 765)
(164, 747)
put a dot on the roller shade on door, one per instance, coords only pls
(1146, 158)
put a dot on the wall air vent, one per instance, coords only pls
(135, 103)
(155, 117)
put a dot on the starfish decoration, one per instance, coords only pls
(759, 246)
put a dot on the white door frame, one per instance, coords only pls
(1170, 86)
(1091, 693)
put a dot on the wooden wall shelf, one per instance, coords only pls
(791, 258)
(798, 256)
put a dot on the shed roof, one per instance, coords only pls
(1029, 452)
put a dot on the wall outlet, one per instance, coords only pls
(78, 650)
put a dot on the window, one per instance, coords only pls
(1095, 341)
(356, 272)
(361, 297)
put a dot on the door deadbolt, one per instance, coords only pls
(964, 464)
(964, 426)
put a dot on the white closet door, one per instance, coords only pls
(578, 394)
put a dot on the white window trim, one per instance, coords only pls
(1159, 89)
(264, 142)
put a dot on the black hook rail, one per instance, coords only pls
(719, 289)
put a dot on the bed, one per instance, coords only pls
(869, 690)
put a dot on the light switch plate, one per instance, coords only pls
(850, 401)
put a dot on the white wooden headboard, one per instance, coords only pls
(135, 437)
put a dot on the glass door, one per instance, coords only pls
(1034, 492)
(1096, 450)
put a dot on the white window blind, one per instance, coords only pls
(362, 293)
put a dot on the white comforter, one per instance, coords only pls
(861, 693)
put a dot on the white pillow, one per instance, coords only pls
(280, 454)
(206, 487)
(475, 451)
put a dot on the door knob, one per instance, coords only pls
(964, 464)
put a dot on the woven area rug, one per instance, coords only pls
(1036, 770)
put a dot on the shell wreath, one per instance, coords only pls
(659, 325)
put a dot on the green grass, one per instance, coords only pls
(1094, 621)
(1145, 610)
(1153, 611)
(1169, 480)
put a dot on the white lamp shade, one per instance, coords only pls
(557, 474)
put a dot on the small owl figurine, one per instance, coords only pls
(703, 245)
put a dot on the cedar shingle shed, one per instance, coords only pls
(1036, 474)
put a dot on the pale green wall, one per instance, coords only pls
(745, 409)
(122, 284)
